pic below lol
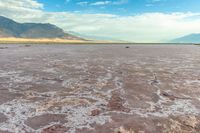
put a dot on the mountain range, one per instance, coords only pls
(11, 28)
(191, 38)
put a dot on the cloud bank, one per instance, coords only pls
(146, 27)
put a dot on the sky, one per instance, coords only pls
(127, 20)
(122, 7)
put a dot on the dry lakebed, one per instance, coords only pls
(99, 88)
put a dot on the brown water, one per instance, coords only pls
(99, 88)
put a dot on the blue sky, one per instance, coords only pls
(122, 7)
(128, 20)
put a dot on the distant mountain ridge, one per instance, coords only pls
(191, 38)
(10, 28)
(93, 37)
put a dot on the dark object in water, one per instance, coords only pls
(127, 47)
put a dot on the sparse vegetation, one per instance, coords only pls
(12, 40)
(37, 41)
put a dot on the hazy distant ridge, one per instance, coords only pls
(192, 38)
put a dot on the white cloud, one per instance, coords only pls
(32, 4)
(147, 27)
(102, 3)
(20, 8)
(154, 2)
(119, 2)
(99, 3)
(83, 3)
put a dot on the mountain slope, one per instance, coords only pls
(192, 38)
(10, 28)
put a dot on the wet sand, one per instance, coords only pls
(99, 89)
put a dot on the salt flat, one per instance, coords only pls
(99, 88)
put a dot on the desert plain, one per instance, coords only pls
(99, 88)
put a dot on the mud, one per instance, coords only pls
(40, 121)
(99, 88)
(2, 118)
(55, 129)
(116, 103)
